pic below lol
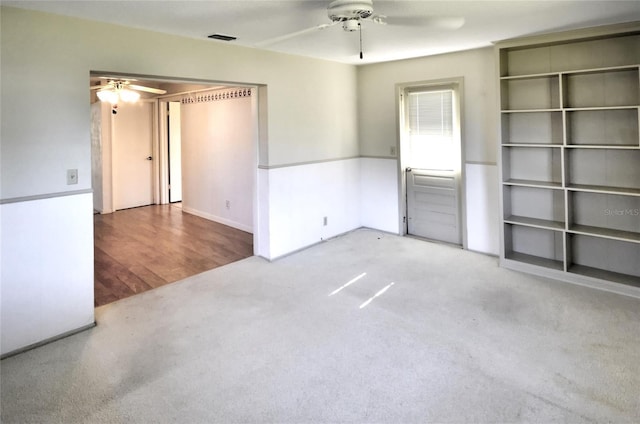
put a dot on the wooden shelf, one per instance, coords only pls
(531, 76)
(537, 92)
(605, 232)
(604, 189)
(605, 275)
(535, 260)
(604, 146)
(534, 184)
(601, 70)
(536, 145)
(590, 108)
(530, 110)
(569, 156)
(544, 224)
(615, 127)
(612, 89)
(573, 72)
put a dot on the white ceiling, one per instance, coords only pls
(254, 21)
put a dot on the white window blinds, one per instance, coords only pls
(431, 113)
(432, 129)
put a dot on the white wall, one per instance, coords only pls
(47, 289)
(483, 219)
(378, 186)
(218, 160)
(311, 116)
(377, 122)
(302, 195)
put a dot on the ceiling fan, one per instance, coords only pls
(352, 13)
(122, 89)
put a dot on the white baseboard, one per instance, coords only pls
(217, 219)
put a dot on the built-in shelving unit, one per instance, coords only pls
(570, 155)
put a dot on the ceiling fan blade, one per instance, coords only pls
(147, 89)
(294, 34)
(437, 22)
(116, 78)
(105, 85)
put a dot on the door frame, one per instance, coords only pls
(259, 108)
(163, 178)
(108, 163)
(457, 84)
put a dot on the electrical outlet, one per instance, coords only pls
(392, 150)
(72, 176)
(324, 221)
(228, 204)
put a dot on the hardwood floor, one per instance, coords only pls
(144, 248)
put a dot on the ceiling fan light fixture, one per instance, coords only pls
(108, 96)
(130, 96)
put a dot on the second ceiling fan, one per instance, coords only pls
(121, 89)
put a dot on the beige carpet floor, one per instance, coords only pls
(364, 328)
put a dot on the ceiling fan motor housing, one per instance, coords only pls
(346, 10)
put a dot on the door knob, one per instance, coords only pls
(149, 158)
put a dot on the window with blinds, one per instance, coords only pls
(431, 129)
(431, 113)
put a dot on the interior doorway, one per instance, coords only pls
(132, 147)
(431, 160)
(140, 249)
(174, 150)
(197, 237)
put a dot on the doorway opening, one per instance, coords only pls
(431, 158)
(182, 149)
(174, 150)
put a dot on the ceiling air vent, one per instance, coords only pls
(222, 37)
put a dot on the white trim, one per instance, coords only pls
(44, 196)
(163, 147)
(217, 219)
(48, 340)
(288, 165)
(566, 277)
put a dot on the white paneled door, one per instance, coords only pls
(132, 141)
(432, 205)
(432, 155)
